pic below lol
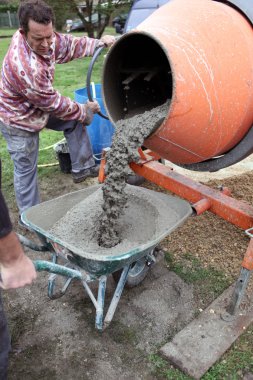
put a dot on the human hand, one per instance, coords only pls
(91, 108)
(18, 270)
(107, 41)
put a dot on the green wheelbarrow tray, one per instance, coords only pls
(169, 213)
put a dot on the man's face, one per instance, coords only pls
(40, 37)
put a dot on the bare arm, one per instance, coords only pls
(16, 268)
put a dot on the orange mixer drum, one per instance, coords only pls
(198, 56)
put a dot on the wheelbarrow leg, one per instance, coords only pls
(116, 296)
(52, 279)
(51, 285)
(241, 284)
(100, 302)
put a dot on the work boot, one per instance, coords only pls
(85, 173)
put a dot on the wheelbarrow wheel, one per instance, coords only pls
(138, 271)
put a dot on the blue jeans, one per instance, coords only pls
(23, 147)
(4, 343)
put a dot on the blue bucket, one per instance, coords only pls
(100, 131)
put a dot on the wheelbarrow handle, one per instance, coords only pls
(41, 265)
(30, 244)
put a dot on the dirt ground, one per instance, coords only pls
(57, 339)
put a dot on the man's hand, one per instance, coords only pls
(16, 268)
(107, 41)
(93, 106)
(90, 109)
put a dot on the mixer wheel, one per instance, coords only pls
(135, 179)
(136, 274)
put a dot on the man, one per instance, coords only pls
(28, 101)
(16, 270)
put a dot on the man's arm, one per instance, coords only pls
(69, 47)
(16, 268)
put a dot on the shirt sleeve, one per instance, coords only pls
(5, 222)
(68, 47)
(42, 95)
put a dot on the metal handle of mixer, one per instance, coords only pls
(88, 79)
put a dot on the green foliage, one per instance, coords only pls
(71, 10)
(112, 8)
(63, 10)
(8, 7)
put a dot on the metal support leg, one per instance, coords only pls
(57, 270)
(51, 287)
(100, 303)
(116, 296)
(238, 294)
(242, 282)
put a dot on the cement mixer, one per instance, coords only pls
(198, 56)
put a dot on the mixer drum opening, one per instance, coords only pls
(136, 77)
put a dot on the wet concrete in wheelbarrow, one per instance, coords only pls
(147, 217)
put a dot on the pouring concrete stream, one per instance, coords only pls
(99, 217)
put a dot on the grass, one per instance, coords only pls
(6, 32)
(209, 281)
(163, 370)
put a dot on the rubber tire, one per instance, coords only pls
(134, 279)
(135, 180)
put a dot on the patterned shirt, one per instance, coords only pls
(27, 96)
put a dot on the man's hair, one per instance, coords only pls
(36, 10)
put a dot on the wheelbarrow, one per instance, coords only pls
(128, 266)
